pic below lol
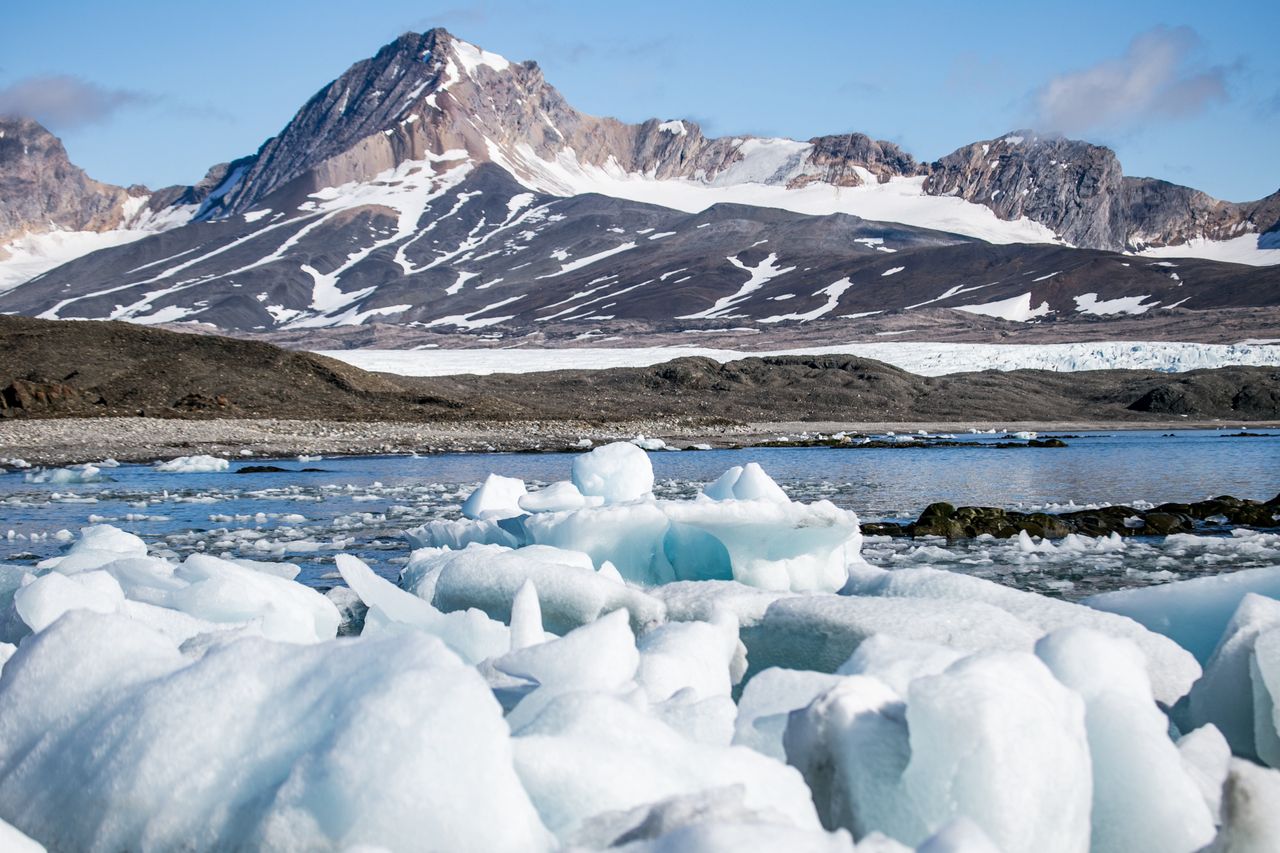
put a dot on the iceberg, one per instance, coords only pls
(1193, 613)
(115, 740)
(496, 498)
(617, 472)
(193, 465)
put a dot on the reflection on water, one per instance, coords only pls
(360, 504)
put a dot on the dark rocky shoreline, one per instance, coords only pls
(967, 522)
(64, 369)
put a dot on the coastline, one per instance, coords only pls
(67, 441)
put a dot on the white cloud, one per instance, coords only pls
(1155, 79)
(62, 102)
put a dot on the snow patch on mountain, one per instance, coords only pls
(833, 293)
(1088, 303)
(1016, 308)
(761, 273)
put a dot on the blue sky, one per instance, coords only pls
(155, 92)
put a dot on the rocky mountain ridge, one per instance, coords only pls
(436, 184)
(40, 188)
(432, 93)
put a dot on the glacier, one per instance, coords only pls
(920, 357)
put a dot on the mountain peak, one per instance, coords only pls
(42, 190)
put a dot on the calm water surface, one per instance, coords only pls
(360, 504)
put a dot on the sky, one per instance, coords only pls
(156, 92)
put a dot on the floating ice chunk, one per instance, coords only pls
(107, 570)
(1225, 695)
(1206, 757)
(570, 591)
(556, 497)
(722, 488)
(115, 741)
(630, 536)
(699, 600)
(746, 483)
(351, 610)
(898, 662)
(768, 699)
(449, 533)
(469, 633)
(1171, 669)
(526, 618)
(219, 591)
(193, 465)
(496, 498)
(1264, 667)
(1193, 613)
(821, 632)
(708, 721)
(783, 546)
(1143, 798)
(649, 443)
(997, 739)
(288, 571)
(617, 472)
(98, 545)
(600, 657)
(698, 656)
(590, 753)
(851, 745)
(85, 473)
(715, 819)
(1250, 810)
(40, 603)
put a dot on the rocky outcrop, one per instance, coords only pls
(950, 522)
(843, 161)
(1079, 192)
(40, 189)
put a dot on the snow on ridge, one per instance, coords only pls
(901, 200)
(472, 57)
(922, 358)
(674, 127)
(1251, 249)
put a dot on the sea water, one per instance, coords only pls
(361, 504)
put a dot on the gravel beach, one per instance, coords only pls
(67, 441)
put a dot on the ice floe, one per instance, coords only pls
(588, 666)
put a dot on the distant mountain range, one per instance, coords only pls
(438, 186)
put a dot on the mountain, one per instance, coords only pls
(51, 211)
(440, 186)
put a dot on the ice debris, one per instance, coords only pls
(595, 668)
